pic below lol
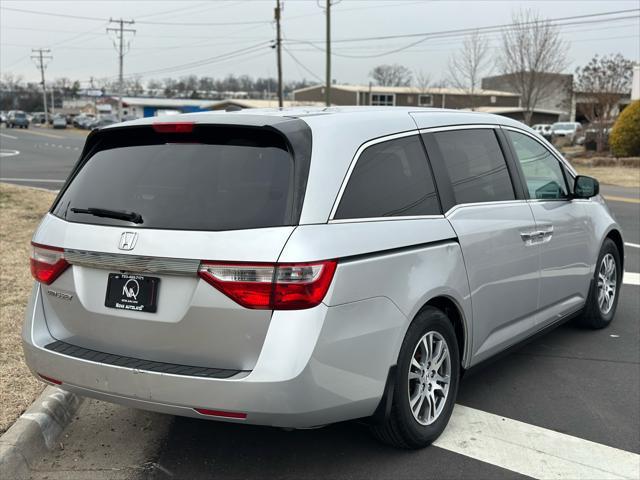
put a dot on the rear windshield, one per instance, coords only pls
(20, 115)
(185, 186)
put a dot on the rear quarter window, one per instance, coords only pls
(390, 179)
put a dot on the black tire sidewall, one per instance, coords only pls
(430, 319)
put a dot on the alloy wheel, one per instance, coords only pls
(429, 378)
(607, 281)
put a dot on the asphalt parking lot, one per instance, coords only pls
(566, 402)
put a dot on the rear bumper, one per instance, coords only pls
(317, 366)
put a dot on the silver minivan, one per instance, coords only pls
(295, 268)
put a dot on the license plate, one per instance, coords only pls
(132, 292)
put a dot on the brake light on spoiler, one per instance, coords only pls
(47, 263)
(271, 286)
(173, 127)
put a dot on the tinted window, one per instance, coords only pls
(185, 186)
(476, 166)
(541, 169)
(390, 179)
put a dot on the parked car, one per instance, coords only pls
(3, 117)
(294, 269)
(82, 120)
(543, 129)
(568, 131)
(59, 121)
(17, 118)
(102, 122)
(37, 118)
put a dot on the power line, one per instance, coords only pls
(120, 31)
(51, 14)
(181, 9)
(42, 54)
(310, 72)
(145, 22)
(206, 61)
(453, 33)
(490, 27)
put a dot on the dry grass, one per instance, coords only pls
(621, 176)
(21, 209)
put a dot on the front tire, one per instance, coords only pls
(426, 383)
(605, 289)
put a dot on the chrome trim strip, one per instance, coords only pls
(352, 165)
(470, 126)
(132, 263)
(459, 206)
(383, 219)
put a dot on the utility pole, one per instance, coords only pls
(327, 88)
(120, 31)
(42, 54)
(278, 11)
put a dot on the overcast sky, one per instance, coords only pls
(81, 48)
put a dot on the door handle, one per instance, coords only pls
(546, 232)
(529, 238)
(537, 236)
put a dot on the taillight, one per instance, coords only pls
(221, 413)
(269, 286)
(50, 380)
(47, 263)
(173, 127)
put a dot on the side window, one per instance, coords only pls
(390, 179)
(477, 169)
(542, 171)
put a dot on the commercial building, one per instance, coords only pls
(408, 96)
(558, 97)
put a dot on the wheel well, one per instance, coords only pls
(452, 311)
(617, 239)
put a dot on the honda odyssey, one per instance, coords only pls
(296, 268)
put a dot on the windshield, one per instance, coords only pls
(20, 115)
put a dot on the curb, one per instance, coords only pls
(35, 432)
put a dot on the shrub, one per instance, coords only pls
(625, 135)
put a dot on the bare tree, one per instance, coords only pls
(532, 51)
(469, 64)
(391, 75)
(603, 81)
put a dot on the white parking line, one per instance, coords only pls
(8, 136)
(533, 451)
(8, 153)
(631, 278)
(633, 245)
(37, 180)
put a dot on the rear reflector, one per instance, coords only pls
(271, 286)
(49, 379)
(47, 263)
(173, 127)
(219, 413)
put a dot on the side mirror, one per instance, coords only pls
(585, 187)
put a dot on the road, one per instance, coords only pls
(39, 157)
(576, 392)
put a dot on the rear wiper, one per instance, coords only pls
(117, 214)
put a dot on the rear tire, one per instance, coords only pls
(602, 301)
(422, 376)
